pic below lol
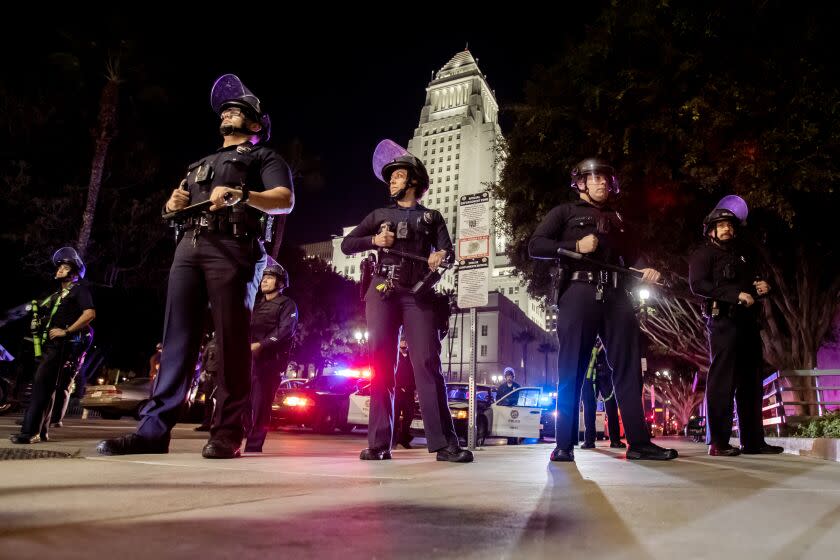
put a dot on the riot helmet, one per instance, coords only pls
(594, 166)
(69, 256)
(282, 277)
(390, 156)
(229, 91)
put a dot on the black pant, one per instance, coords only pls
(580, 319)
(55, 354)
(384, 317)
(403, 414)
(265, 377)
(735, 373)
(217, 269)
(62, 389)
(589, 396)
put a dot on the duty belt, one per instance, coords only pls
(387, 270)
(601, 279)
(605, 277)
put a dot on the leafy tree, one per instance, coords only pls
(691, 103)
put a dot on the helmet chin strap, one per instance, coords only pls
(230, 130)
(400, 194)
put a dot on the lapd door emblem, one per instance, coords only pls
(514, 414)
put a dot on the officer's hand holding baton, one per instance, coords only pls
(745, 299)
(436, 259)
(649, 275)
(587, 244)
(222, 197)
(180, 198)
(761, 287)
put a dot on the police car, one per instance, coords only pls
(516, 415)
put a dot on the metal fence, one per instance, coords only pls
(794, 397)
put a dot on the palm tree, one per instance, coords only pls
(524, 338)
(545, 349)
(106, 129)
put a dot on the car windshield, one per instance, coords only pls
(462, 393)
(332, 383)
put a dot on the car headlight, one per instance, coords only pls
(459, 414)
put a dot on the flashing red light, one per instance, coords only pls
(296, 401)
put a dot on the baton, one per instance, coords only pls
(413, 257)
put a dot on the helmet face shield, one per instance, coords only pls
(390, 156)
(69, 256)
(229, 91)
(594, 166)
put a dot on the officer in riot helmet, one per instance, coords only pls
(412, 243)
(724, 272)
(593, 302)
(224, 201)
(273, 325)
(60, 328)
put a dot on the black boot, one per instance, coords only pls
(371, 454)
(563, 455)
(618, 444)
(24, 438)
(131, 444)
(220, 449)
(763, 449)
(587, 445)
(650, 452)
(724, 450)
(454, 454)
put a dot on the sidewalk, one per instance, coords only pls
(309, 496)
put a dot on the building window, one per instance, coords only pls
(446, 210)
(433, 150)
(426, 143)
(456, 176)
(459, 136)
(447, 177)
(447, 198)
(516, 290)
(450, 138)
(458, 146)
(448, 158)
(449, 148)
(457, 156)
(457, 165)
(510, 290)
(437, 200)
(483, 330)
(438, 180)
(454, 207)
(352, 269)
(448, 167)
(440, 169)
(447, 188)
(434, 141)
(483, 350)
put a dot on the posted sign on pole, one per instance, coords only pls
(473, 279)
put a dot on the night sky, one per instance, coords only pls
(339, 91)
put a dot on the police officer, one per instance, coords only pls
(406, 226)
(593, 302)
(59, 337)
(508, 384)
(404, 396)
(598, 382)
(215, 260)
(723, 271)
(273, 325)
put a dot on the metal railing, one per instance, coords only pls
(794, 397)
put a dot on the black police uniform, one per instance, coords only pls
(55, 353)
(273, 324)
(503, 389)
(719, 273)
(601, 385)
(215, 261)
(418, 231)
(404, 400)
(594, 303)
